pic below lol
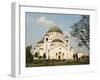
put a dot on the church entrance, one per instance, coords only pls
(59, 57)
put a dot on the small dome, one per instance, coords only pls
(54, 29)
(57, 40)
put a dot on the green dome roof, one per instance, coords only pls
(54, 29)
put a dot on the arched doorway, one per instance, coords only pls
(59, 56)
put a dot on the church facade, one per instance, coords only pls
(55, 45)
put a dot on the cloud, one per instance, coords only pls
(45, 22)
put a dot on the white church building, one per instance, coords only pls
(55, 45)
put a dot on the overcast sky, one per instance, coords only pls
(37, 24)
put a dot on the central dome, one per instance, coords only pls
(54, 29)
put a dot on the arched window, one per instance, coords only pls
(66, 40)
(46, 39)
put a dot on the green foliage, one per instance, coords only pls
(84, 59)
(54, 62)
(75, 57)
(29, 56)
(40, 57)
(44, 56)
(81, 31)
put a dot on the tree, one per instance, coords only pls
(44, 56)
(81, 31)
(75, 57)
(29, 56)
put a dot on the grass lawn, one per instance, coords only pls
(38, 63)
